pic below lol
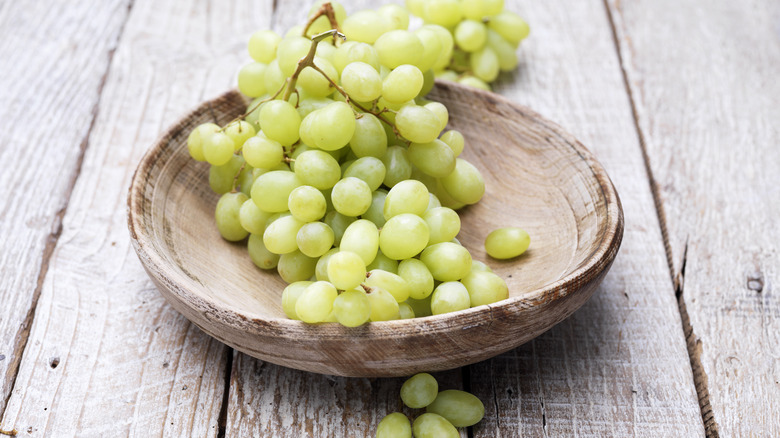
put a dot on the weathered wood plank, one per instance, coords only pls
(704, 84)
(107, 356)
(618, 366)
(53, 68)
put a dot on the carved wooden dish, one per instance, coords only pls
(538, 177)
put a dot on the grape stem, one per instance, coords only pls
(327, 10)
(235, 177)
(256, 106)
(308, 60)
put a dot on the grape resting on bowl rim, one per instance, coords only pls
(342, 175)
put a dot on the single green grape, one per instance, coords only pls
(280, 122)
(470, 35)
(485, 287)
(218, 148)
(221, 177)
(362, 238)
(454, 139)
(321, 268)
(307, 204)
(410, 196)
(398, 47)
(227, 216)
(251, 79)
(447, 261)
(196, 139)
(403, 236)
(313, 83)
(369, 169)
(430, 425)
(369, 139)
(317, 168)
(351, 196)
(450, 296)
(259, 254)
(296, 266)
(262, 152)
(396, 15)
(271, 190)
(383, 306)
(432, 48)
(485, 64)
(460, 408)
(465, 184)
(417, 124)
(290, 296)
(445, 13)
(346, 270)
(352, 308)
(443, 223)
(316, 302)
(397, 165)
(262, 45)
(365, 26)
(418, 277)
(395, 425)
(419, 391)
(392, 283)
(315, 239)
(510, 26)
(405, 311)
(280, 236)
(506, 243)
(361, 81)
(252, 218)
(434, 158)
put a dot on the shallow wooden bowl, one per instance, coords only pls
(538, 177)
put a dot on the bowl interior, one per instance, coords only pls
(534, 177)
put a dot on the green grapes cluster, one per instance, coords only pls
(485, 37)
(343, 176)
(445, 410)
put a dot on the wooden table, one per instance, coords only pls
(678, 99)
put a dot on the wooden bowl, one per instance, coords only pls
(538, 177)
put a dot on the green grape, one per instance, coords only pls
(365, 26)
(371, 170)
(405, 311)
(290, 50)
(221, 177)
(271, 190)
(433, 158)
(416, 7)
(351, 196)
(280, 122)
(460, 408)
(196, 137)
(259, 254)
(239, 131)
(362, 238)
(510, 26)
(402, 84)
(246, 179)
(397, 165)
(280, 236)
(450, 296)
(454, 139)
(361, 81)
(345, 165)
(403, 236)
(445, 199)
(506, 243)
(421, 307)
(507, 57)
(375, 210)
(307, 204)
(441, 112)
(226, 215)
(445, 13)
(253, 110)
(383, 306)
(447, 45)
(384, 263)
(418, 277)
(321, 269)
(431, 48)
(493, 7)
(431, 425)
(218, 148)
(485, 65)
(316, 302)
(485, 287)
(262, 152)
(329, 128)
(313, 83)
(352, 308)
(396, 15)
(417, 124)
(447, 75)
(472, 9)
(369, 139)
(477, 266)
(433, 202)
(398, 47)
(315, 239)
(346, 270)
(338, 223)
(444, 224)
(395, 425)
(429, 79)
(392, 283)
(262, 45)
(317, 168)
(447, 261)
(464, 184)
(471, 81)
(410, 196)
(252, 218)
(419, 391)
(296, 266)
(251, 79)
(308, 105)
(290, 296)
(322, 23)
(274, 78)
(470, 35)
(353, 51)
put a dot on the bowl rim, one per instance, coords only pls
(599, 259)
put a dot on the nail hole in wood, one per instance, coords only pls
(54, 362)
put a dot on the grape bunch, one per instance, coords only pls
(445, 410)
(342, 176)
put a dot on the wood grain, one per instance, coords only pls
(52, 74)
(106, 355)
(618, 366)
(704, 85)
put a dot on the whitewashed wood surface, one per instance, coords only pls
(89, 348)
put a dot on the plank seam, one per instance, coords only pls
(693, 343)
(223, 410)
(54, 235)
